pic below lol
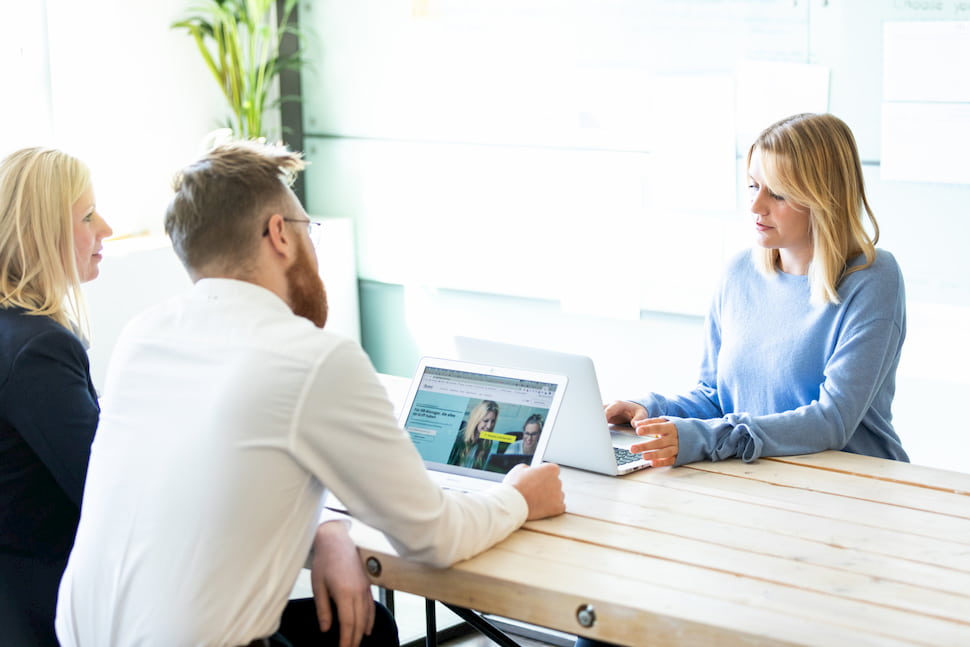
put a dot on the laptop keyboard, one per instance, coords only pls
(624, 456)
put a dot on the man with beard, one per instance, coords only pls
(227, 415)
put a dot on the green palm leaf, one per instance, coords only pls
(239, 41)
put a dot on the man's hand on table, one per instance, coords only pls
(541, 487)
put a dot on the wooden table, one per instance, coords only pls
(826, 549)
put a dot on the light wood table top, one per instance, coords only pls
(826, 549)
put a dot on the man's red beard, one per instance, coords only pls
(308, 297)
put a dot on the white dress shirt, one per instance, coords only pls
(225, 419)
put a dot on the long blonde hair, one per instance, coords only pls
(812, 160)
(38, 271)
(475, 418)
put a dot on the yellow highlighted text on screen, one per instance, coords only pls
(502, 438)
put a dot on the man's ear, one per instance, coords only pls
(281, 239)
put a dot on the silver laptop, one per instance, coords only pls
(582, 437)
(473, 422)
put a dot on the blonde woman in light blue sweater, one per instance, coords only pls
(804, 334)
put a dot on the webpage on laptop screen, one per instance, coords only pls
(475, 421)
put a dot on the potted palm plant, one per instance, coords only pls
(240, 43)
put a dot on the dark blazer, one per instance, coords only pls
(48, 415)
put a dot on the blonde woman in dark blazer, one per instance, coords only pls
(50, 243)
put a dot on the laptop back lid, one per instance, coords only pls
(582, 436)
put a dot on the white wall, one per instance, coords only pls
(126, 94)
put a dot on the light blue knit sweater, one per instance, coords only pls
(783, 377)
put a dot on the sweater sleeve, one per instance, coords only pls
(858, 344)
(360, 453)
(52, 405)
(862, 359)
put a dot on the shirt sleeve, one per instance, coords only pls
(53, 406)
(356, 448)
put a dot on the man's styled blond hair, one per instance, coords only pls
(216, 216)
(812, 160)
(38, 271)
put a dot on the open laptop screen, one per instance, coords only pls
(477, 420)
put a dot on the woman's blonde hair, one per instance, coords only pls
(812, 160)
(38, 272)
(476, 416)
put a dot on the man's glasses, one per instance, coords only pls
(314, 229)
